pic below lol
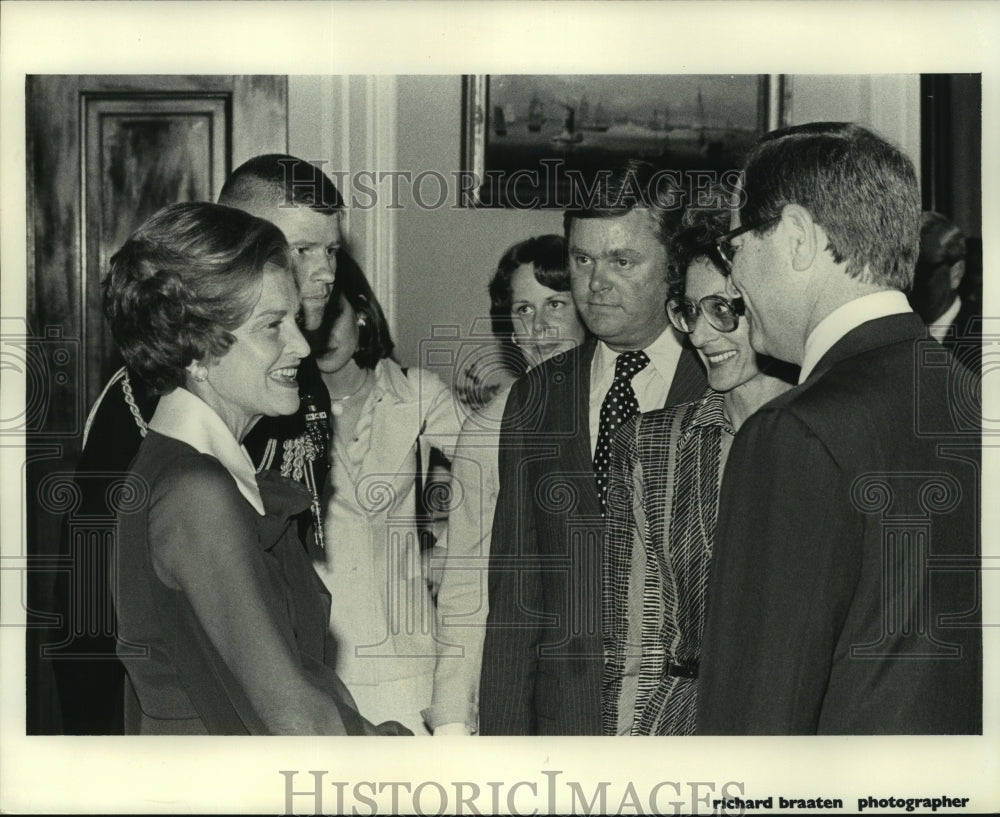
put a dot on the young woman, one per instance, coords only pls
(386, 422)
(533, 311)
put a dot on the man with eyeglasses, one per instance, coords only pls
(543, 654)
(844, 595)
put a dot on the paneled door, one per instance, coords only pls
(104, 153)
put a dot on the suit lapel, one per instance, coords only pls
(578, 394)
(568, 418)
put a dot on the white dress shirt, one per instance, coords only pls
(847, 317)
(651, 385)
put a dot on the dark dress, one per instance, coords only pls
(255, 570)
(90, 684)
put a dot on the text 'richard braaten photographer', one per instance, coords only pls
(553, 186)
(317, 792)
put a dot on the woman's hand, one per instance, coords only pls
(432, 565)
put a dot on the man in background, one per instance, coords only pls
(941, 295)
(844, 595)
(543, 651)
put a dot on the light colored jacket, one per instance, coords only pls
(462, 603)
(382, 613)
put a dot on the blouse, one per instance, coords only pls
(663, 499)
(382, 614)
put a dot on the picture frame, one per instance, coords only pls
(535, 141)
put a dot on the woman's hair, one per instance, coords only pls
(546, 254)
(374, 339)
(699, 226)
(182, 282)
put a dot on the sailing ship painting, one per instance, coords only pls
(596, 120)
(592, 122)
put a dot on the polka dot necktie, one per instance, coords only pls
(619, 406)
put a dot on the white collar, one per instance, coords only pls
(847, 317)
(664, 352)
(186, 417)
(939, 329)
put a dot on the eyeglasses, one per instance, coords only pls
(721, 313)
(721, 250)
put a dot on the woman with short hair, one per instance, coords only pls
(221, 620)
(663, 497)
(533, 318)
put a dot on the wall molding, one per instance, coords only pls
(381, 129)
(350, 123)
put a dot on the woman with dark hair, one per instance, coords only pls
(221, 621)
(533, 316)
(386, 422)
(663, 497)
(531, 333)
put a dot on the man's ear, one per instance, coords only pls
(806, 238)
(955, 274)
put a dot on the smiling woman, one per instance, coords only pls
(390, 424)
(666, 468)
(212, 580)
(530, 304)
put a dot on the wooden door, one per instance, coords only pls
(104, 153)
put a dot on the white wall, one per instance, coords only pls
(887, 103)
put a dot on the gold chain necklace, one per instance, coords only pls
(337, 409)
(354, 393)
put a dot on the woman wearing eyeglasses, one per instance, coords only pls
(663, 497)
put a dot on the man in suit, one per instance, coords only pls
(543, 652)
(304, 203)
(942, 295)
(844, 595)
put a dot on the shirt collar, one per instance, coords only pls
(186, 417)
(663, 353)
(710, 411)
(939, 329)
(845, 318)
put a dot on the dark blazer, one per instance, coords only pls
(543, 653)
(844, 595)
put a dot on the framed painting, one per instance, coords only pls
(532, 141)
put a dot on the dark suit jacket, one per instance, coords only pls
(844, 595)
(543, 651)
